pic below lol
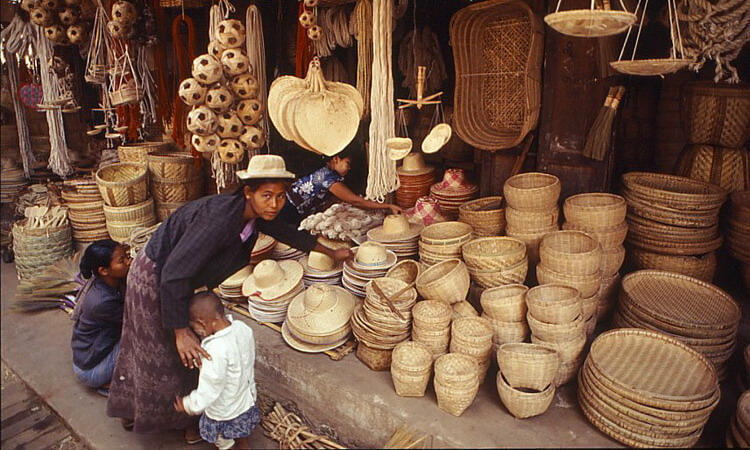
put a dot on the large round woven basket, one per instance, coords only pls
(570, 252)
(505, 303)
(485, 215)
(171, 191)
(716, 114)
(122, 184)
(37, 248)
(533, 191)
(493, 253)
(587, 285)
(554, 303)
(167, 166)
(447, 281)
(726, 167)
(530, 366)
(595, 210)
(136, 152)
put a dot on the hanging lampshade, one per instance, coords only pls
(592, 22)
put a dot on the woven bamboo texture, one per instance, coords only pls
(505, 303)
(570, 252)
(701, 267)
(716, 114)
(568, 350)
(136, 153)
(493, 253)
(524, 404)
(447, 281)
(607, 237)
(122, 184)
(164, 210)
(169, 166)
(726, 167)
(37, 248)
(530, 366)
(168, 191)
(554, 303)
(531, 220)
(514, 274)
(497, 48)
(375, 359)
(532, 191)
(139, 213)
(485, 215)
(587, 285)
(595, 210)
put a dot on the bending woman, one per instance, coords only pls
(200, 244)
(311, 193)
(98, 313)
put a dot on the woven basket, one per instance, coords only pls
(740, 207)
(555, 332)
(493, 278)
(446, 234)
(411, 364)
(568, 350)
(124, 96)
(463, 309)
(166, 191)
(608, 237)
(589, 306)
(437, 344)
(171, 166)
(726, 167)
(531, 240)
(456, 369)
(136, 152)
(410, 384)
(524, 404)
(493, 253)
(508, 332)
(612, 260)
(455, 399)
(531, 220)
(447, 281)
(554, 303)
(164, 210)
(471, 336)
(407, 271)
(431, 315)
(671, 191)
(485, 215)
(120, 232)
(375, 359)
(505, 303)
(595, 210)
(568, 370)
(532, 191)
(122, 184)
(37, 248)
(716, 114)
(139, 213)
(529, 366)
(498, 56)
(570, 252)
(587, 285)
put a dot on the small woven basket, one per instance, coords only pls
(532, 220)
(530, 366)
(464, 309)
(172, 166)
(587, 285)
(456, 369)
(431, 315)
(554, 303)
(505, 303)
(447, 281)
(122, 184)
(493, 253)
(570, 252)
(485, 215)
(455, 399)
(136, 152)
(595, 210)
(407, 271)
(568, 370)
(532, 191)
(471, 336)
(37, 248)
(524, 404)
(411, 364)
(167, 191)
(555, 332)
(375, 359)
(120, 232)
(139, 213)
(492, 278)
(716, 114)
(568, 350)
(508, 332)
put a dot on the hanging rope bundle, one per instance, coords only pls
(336, 30)
(716, 31)
(382, 178)
(256, 54)
(362, 24)
(421, 48)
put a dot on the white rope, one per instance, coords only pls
(224, 174)
(256, 53)
(362, 24)
(382, 178)
(336, 30)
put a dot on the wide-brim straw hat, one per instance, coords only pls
(306, 347)
(320, 265)
(395, 228)
(321, 309)
(265, 166)
(373, 256)
(414, 165)
(239, 277)
(271, 279)
(437, 138)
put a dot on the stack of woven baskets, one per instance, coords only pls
(738, 432)
(85, 210)
(40, 242)
(442, 241)
(556, 320)
(175, 180)
(456, 382)
(411, 368)
(602, 216)
(485, 215)
(496, 261)
(127, 205)
(415, 179)
(738, 232)
(431, 325)
(716, 119)
(472, 336)
(525, 381)
(136, 152)
(673, 223)
(505, 308)
(447, 281)
(532, 208)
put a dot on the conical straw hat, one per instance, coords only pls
(321, 309)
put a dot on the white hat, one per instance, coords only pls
(265, 166)
(320, 264)
(272, 279)
(437, 138)
(373, 255)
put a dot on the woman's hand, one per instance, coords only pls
(395, 209)
(189, 348)
(342, 254)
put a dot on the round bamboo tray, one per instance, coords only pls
(523, 404)
(172, 166)
(136, 152)
(505, 303)
(508, 332)
(567, 351)
(122, 184)
(138, 213)
(595, 210)
(607, 237)
(493, 253)
(554, 303)
(532, 220)
(529, 366)
(532, 191)
(555, 332)
(590, 23)
(485, 215)
(447, 281)
(587, 285)
(716, 114)
(675, 191)
(702, 267)
(570, 252)
(650, 67)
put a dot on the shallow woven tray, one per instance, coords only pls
(702, 267)
(590, 23)
(672, 188)
(648, 67)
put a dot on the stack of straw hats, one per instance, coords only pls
(646, 389)
(525, 381)
(411, 368)
(671, 219)
(532, 209)
(442, 241)
(175, 179)
(573, 258)
(738, 432)
(282, 251)
(738, 232)
(556, 321)
(85, 210)
(383, 320)
(231, 288)
(318, 319)
(398, 235)
(485, 215)
(472, 336)
(263, 248)
(659, 300)
(456, 382)
(127, 205)
(270, 289)
(415, 179)
(426, 211)
(496, 261)
(12, 181)
(453, 191)
(320, 268)
(371, 260)
(602, 216)
(505, 308)
(447, 281)
(432, 325)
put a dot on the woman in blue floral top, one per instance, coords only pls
(312, 192)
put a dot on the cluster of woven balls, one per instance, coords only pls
(61, 20)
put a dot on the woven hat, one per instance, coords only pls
(414, 165)
(321, 309)
(265, 166)
(397, 148)
(373, 255)
(271, 279)
(425, 211)
(454, 180)
(307, 347)
(239, 277)
(395, 227)
(437, 138)
(320, 263)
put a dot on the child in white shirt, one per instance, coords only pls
(226, 389)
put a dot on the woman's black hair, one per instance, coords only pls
(98, 254)
(347, 152)
(255, 183)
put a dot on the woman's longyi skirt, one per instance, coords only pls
(149, 374)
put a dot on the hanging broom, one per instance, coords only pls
(600, 135)
(50, 289)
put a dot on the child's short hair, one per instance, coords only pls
(204, 304)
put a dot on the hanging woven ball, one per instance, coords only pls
(231, 151)
(69, 15)
(315, 32)
(234, 62)
(119, 30)
(77, 34)
(42, 17)
(215, 49)
(28, 5)
(253, 137)
(49, 5)
(202, 120)
(250, 111)
(191, 92)
(245, 86)
(229, 125)
(124, 12)
(207, 69)
(219, 99)
(306, 19)
(311, 3)
(231, 33)
(205, 144)
(56, 33)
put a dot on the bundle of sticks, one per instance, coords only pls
(289, 431)
(600, 135)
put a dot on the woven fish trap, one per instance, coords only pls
(505, 303)
(171, 166)
(167, 191)
(587, 285)
(533, 191)
(726, 167)
(498, 54)
(554, 303)
(485, 215)
(595, 210)
(567, 350)
(555, 332)
(522, 403)
(608, 237)
(675, 191)
(530, 366)
(500, 277)
(570, 252)
(123, 184)
(447, 281)
(532, 220)
(508, 332)
(136, 152)
(716, 114)
(37, 248)
(141, 212)
(493, 253)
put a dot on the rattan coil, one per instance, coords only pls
(122, 184)
(485, 215)
(554, 303)
(505, 303)
(524, 404)
(716, 114)
(447, 281)
(532, 191)
(570, 252)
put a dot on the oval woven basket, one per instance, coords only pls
(726, 167)
(568, 350)
(587, 285)
(570, 253)
(529, 366)
(532, 191)
(122, 184)
(554, 303)
(172, 166)
(505, 303)
(524, 404)
(595, 210)
(447, 281)
(716, 114)
(136, 152)
(493, 253)
(485, 215)
(532, 220)
(556, 332)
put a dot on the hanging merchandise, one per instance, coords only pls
(362, 25)
(335, 28)
(318, 115)
(96, 57)
(254, 83)
(659, 66)
(598, 21)
(62, 21)
(600, 135)
(184, 50)
(421, 48)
